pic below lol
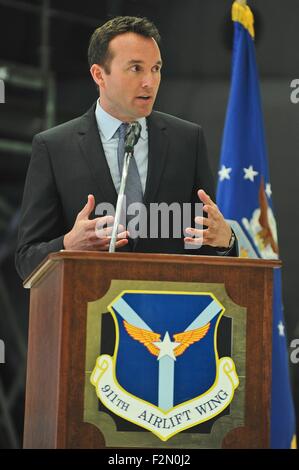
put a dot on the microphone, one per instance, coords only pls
(131, 139)
(132, 136)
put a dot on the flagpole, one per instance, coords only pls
(238, 195)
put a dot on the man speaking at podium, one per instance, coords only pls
(78, 165)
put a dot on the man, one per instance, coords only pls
(80, 158)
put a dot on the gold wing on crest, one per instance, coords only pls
(144, 336)
(189, 337)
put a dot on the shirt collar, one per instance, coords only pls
(108, 124)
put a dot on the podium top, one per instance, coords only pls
(64, 256)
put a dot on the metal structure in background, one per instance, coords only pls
(39, 79)
(12, 377)
(42, 80)
(12, 383)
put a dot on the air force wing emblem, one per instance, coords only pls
(152, 341)
(165, 374)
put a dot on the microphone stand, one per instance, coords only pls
(127, 159)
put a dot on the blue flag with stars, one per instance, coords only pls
(244, 197)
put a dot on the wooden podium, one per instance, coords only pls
(61, 289)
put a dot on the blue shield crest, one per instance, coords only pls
(165, 374)
(166, 345)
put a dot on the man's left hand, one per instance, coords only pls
(218, 232)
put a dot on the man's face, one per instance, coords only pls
(129, 91)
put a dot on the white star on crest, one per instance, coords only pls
(281, 328)
(250, 173)
(224, 173)
(166, 347)
(268, 190)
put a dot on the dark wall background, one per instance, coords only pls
(43, 62)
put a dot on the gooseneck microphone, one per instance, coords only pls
(132, 136)
(131, 139)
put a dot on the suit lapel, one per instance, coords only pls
(157, 155)
(93, 152)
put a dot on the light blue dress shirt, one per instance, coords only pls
(108, 126)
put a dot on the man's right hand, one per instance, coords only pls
(89, 235)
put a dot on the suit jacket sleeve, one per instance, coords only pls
(204, 180)
(41, 224)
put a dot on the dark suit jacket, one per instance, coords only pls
(68, 163)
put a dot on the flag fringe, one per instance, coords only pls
(242, 14)
(294, 443)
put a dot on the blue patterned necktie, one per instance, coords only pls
(133, 189)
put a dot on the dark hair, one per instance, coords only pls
(98, 50)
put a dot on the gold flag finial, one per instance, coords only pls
(242, 14)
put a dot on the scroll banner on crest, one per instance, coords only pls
(164, 424)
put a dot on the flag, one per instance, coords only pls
(244, 197)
